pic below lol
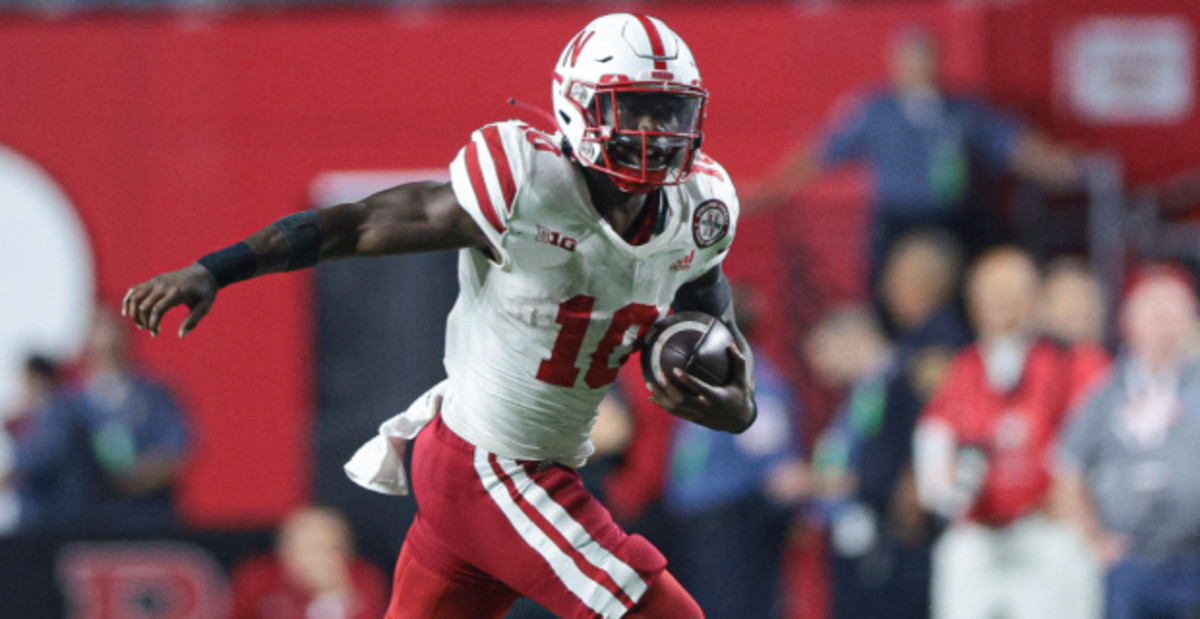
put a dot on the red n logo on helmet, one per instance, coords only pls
(577, 44)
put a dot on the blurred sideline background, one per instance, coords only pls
(155, 132)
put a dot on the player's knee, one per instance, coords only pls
(665, 599)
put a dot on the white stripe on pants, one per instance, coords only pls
(594, 594)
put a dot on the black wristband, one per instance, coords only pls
(232, 264)
(302, 231)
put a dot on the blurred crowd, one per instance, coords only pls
(997, 465)
(94, 446)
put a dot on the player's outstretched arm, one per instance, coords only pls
(729, 408)
(409, 218)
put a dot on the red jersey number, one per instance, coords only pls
(575, 316)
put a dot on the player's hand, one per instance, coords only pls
(146, 303)
(728, 408)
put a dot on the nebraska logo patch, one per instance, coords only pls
(710, 224)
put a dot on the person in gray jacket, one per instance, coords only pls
(1128, 472)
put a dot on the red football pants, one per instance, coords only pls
(419, 593)
(490, 529)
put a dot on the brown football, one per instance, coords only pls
(695, 342)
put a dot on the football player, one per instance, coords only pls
(572, 246)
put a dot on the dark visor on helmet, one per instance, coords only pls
(653, 112)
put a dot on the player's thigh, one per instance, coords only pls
(419, 592)
(552, 541)
(532, 526)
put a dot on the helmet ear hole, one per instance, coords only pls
(566, 119)
(697, 142)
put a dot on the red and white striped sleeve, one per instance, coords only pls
(485, 177)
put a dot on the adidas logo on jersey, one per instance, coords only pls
(557, 239)
(685, 262)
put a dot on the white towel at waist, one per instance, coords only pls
(379, 464)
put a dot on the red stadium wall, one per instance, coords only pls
(176, 135)
(1023, 41)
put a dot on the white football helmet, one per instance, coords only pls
(628, 99)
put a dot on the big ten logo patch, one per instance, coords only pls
(557, 239)
(131, 580)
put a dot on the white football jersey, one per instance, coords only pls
(536, 338)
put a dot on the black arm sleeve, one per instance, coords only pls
(710, 293)
(302, 231)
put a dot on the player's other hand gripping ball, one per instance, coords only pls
(694, 342)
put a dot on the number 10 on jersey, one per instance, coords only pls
(575, 316)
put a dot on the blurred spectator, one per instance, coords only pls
(847, 350)
(21, 497)
(982, 456)
(1127, 473)
(115, 445)
(313, 574)
(890, 575)
(1071, 310)
(730, 496)
(919, 284)
(924, 147)
(1072, 303)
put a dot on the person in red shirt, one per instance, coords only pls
(313, 574)
(983, 451)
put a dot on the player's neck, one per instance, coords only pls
(618, 207)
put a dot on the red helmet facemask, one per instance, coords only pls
(647, 134)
